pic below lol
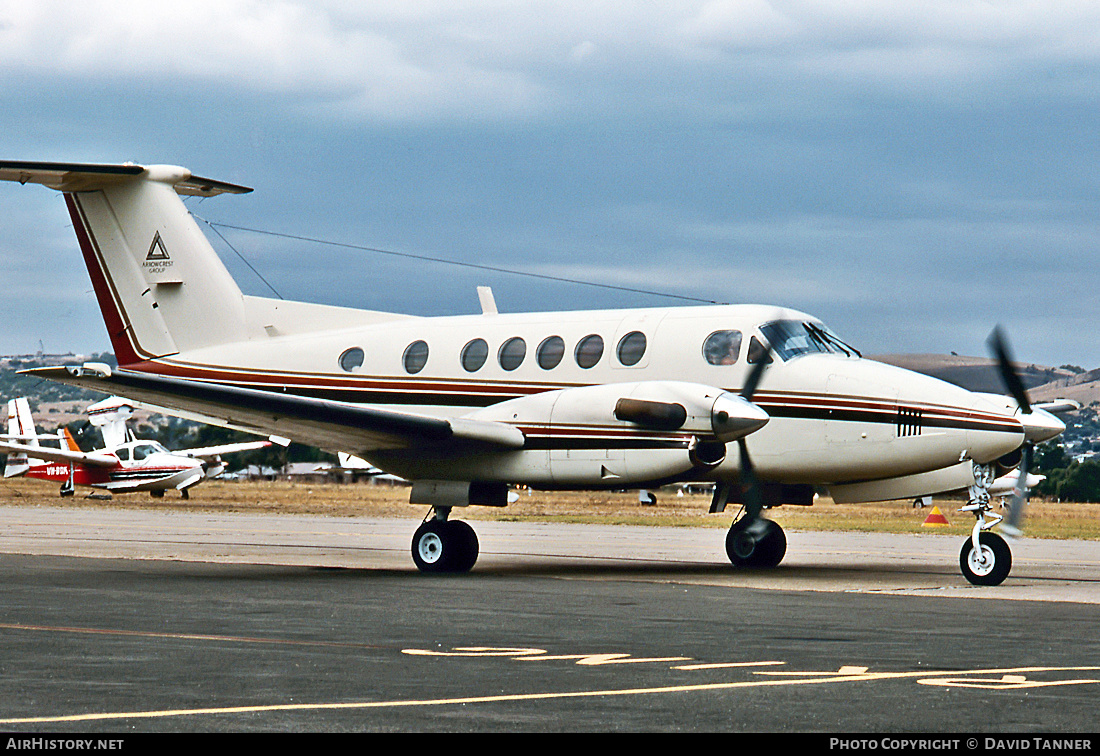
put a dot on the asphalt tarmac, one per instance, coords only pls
(122, 621)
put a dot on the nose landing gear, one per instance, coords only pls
(985, 558)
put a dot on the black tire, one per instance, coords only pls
(992, 566)
(747, 550)
(466, 546)
(441, 546)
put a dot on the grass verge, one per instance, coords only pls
(1045, 519)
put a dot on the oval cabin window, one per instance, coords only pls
(550, 352)
(351, 359)
(416, 356)
(512, 353)
(474, 355)
(631, 348)
(589, 351)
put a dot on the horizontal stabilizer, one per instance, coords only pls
(87, 177)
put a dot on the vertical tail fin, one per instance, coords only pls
(68, 443)
(20, 425)
(160, 285)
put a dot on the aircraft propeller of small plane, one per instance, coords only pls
(125, 465)
(766, 403)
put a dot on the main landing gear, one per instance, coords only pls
(441, 545)
(985, 558)
(755, 542)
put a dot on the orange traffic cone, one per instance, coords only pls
(935, 519)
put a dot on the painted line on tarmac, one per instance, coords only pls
(182, 636)
(1013, 678)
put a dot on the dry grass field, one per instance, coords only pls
(1045, 519)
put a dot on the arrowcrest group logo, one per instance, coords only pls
(157, 260)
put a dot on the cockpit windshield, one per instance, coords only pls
(146, 448)
(791, 338)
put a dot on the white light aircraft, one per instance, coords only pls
(126, 464)
(467, 406)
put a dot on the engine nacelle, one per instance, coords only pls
(620, 434)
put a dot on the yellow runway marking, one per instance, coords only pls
(728, 665)
(519, 697)
(1007, 682)
(181, 636)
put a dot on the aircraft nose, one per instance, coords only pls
(1040, 425)
(992, 433)
(732, 417)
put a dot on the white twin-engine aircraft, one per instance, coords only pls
(126, 464)
(467, 406)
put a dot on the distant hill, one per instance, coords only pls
(980, 374)
(972, 373)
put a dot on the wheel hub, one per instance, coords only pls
(430, 548)
(744, 544)
(981, 560)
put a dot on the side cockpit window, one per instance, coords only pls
(757, 352)
(722, 347)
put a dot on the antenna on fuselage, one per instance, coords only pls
(488, 301)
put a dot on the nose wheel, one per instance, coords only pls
(987, 564)
(985, 557)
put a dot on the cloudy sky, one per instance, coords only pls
(912, 173)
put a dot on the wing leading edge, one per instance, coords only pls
(93, 459)
(335, 426)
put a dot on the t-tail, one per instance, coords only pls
(162, 288)
(160, 285)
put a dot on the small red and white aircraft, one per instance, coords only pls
(467, 406)
(124, 466)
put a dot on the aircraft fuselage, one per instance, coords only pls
(834, 417)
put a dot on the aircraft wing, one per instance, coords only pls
(94, 459)
(214, 451)
(334, 426)
(1059, 406)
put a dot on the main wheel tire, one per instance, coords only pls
(466, 551)
(990, 565)
(745, 549)
(444, 546)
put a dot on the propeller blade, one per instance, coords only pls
(751, 496)
(721, 497)
(1009, 375)
(1012, 526)
(750, 485)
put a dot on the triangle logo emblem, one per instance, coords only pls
(157, 250)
